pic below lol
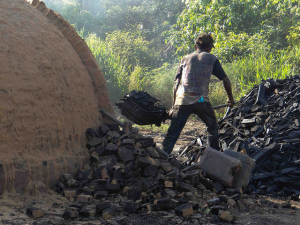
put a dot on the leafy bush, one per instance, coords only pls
(132, 47)
(231, 46)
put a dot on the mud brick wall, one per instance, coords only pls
(51, 91)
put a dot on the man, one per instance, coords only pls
(192, 92)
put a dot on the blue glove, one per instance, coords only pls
(201, 99)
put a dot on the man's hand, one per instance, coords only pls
(230, 102)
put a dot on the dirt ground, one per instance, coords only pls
(258, 210)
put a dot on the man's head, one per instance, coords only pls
(204, 42)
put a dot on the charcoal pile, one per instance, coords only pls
(130, 170)
(143, 109)
(265, 125)
(128, 174)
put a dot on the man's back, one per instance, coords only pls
(196, 73)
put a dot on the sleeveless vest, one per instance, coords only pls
(196, 74)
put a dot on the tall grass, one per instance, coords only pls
(261, 65)
(115, 70)
(248, 71)
(162, 81)
(244, 73)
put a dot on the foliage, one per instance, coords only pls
(162, 80)
(133, 47)
(137, 79)
(233, 46)
(271, 18)
(114, 68)
(138, 43)
(294, 35)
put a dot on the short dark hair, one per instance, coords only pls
(203, 46)
(204, 41)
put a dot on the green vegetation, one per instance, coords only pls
(138, 44)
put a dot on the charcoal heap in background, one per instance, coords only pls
(265, 124)
(143, 109)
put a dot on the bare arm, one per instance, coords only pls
(228, 89)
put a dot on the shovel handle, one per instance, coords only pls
(220, 106)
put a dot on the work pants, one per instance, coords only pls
(179, 117)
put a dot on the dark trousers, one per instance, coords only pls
(179, 117)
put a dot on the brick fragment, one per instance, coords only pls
(72, 183)
(226, 216)
(148, 199)
(134, 193)
(125, 154)
(111, 149)
(84, 175)
(76, 205)
(168, 184)
(127, 127)
(121, 182)
(218, 187)
(174, 162)
(60, 187)
(105, 174)
(93, 143)
(87, 191)
(107, 161)
(97, 173)
(103, 130)
(99, 150)
(153, 153)
(110, 212)
(68, 193)
(113, 126)
(112, 188)
(148, 183)
(132, 174)
(102, 206)
(87, 213)
(151, 171)
(144, 161)
(170, 192)
(156, 189)
(34, 212)
(84, 198)
(130, 207)
(128, 142)
(184, 210)
(101, 181)
(167, 167)
(184, 187)
(231, 202)
(195, 205)
(145, 142)
(161, 194)
(117, 174)
(70, 214)
(160, 178)
(114, 134)
(141, 152)
(216, 209)
(65, 178)
(100, 194)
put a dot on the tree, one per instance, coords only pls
(271, 18)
